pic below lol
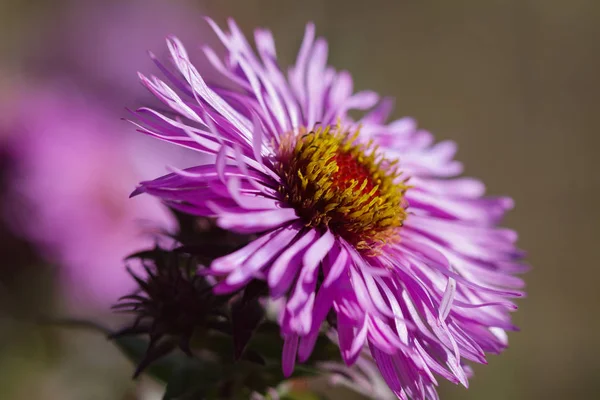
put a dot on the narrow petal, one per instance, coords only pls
(288, 357)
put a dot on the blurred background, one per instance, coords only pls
(514, 82)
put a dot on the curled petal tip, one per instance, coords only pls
(138, 190)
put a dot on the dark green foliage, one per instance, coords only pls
(203, 345)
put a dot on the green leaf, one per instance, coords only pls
(135, 349)
(246, 315)
(193, 379)
(304, 395)
(216, 372)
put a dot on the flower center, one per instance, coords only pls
(334, 182)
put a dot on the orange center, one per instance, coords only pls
(348, 187)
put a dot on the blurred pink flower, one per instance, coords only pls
(76, 162)
(75, 165)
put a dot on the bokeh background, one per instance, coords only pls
(514, 82)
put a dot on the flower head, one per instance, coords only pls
(361, 223)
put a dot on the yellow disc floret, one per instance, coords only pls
(333, 181)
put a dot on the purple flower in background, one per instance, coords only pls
(74, 167)
(360, 217)
(75, 160)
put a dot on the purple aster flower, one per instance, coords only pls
(361, 223)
